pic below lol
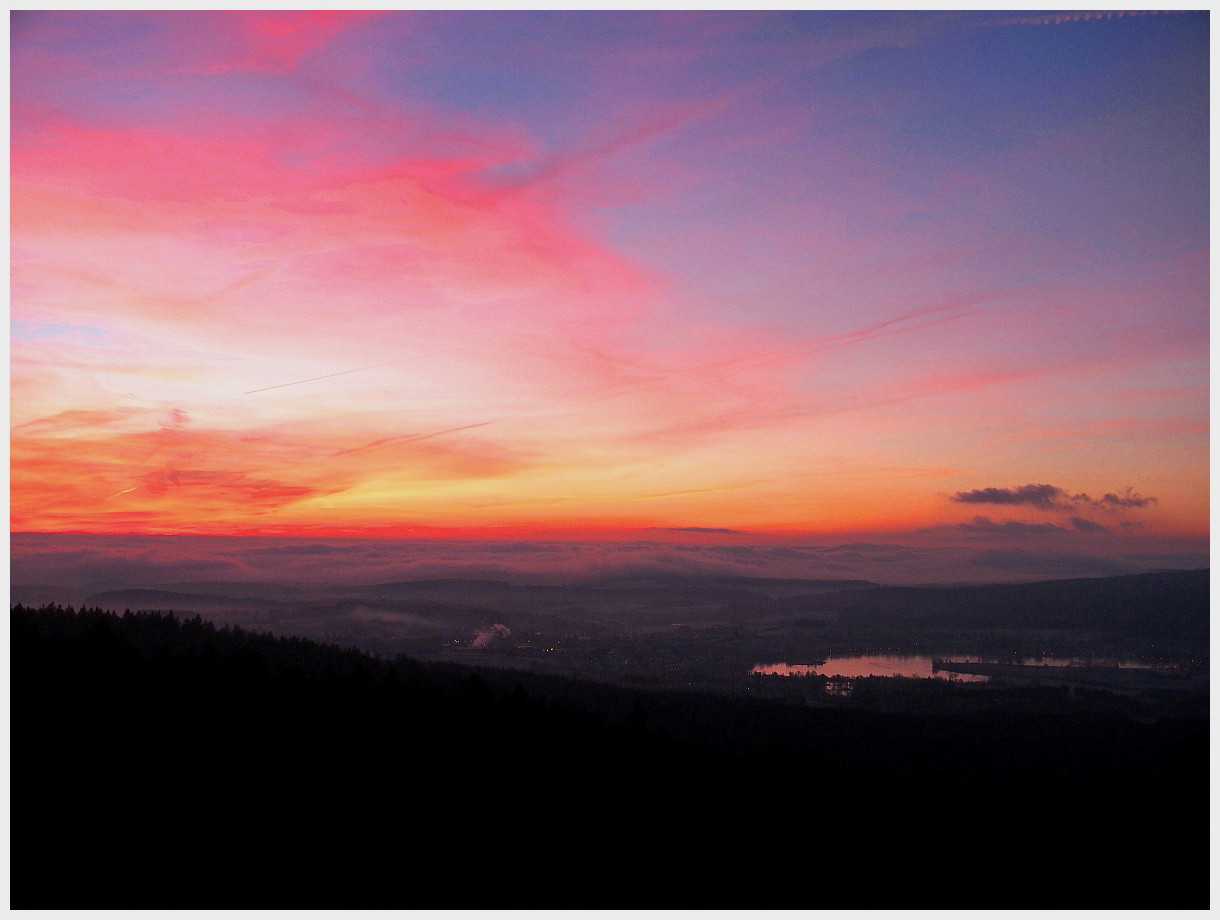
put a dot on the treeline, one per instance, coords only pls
(162, 762)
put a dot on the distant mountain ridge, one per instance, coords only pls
(1171, 606)
(153, 599)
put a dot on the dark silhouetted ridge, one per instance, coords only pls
(162, 762)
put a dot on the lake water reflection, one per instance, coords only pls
(870, 666)
(855, 666)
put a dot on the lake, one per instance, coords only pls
(869, 666)
(854, 666)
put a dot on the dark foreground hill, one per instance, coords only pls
(162, 763)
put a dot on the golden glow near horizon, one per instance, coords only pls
(326, 273)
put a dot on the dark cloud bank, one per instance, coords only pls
(1046, 497)
(1052, 498)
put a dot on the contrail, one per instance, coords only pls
(408, 438)
(354, 370)
(1054, 19)
(895, 326)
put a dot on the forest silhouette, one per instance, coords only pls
(165, 762)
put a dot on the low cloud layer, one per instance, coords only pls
(1051, 565)
(986, 525)
(696, 529)
(69, 567)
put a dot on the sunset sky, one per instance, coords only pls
(604, 275)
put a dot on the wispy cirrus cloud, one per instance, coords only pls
(156, 465)
(270, 42)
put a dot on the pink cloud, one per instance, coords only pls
(361, 329)
(275, 42)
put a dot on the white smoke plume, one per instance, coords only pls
(485, 637)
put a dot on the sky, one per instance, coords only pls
(701, 278)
